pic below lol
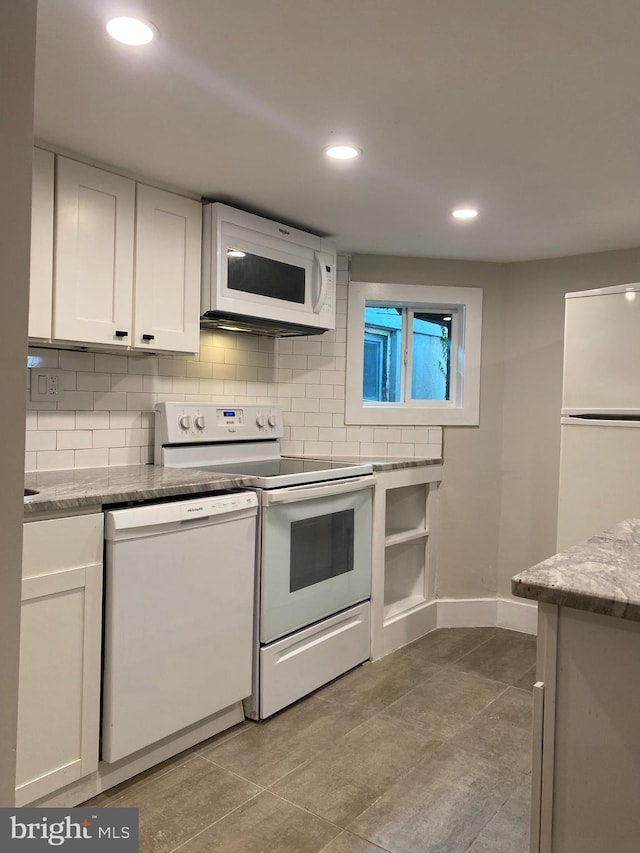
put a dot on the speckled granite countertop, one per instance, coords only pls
(379, 463)
(79, 487)
(601, 575)
(84, 487)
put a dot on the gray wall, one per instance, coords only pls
(534, 325)
(470, 493)
(17, 64)
(499, 494)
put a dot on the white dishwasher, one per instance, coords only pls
(179, 589)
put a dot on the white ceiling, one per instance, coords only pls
(527, 109)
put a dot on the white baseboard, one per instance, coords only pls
(406, 628)
(487, 612)
(466, 612)
(460, 613)
(517, 615)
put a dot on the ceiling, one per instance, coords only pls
(528, 110)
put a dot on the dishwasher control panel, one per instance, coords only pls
(154, 518)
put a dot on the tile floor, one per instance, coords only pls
(425, 751)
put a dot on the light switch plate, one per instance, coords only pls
(46, 385)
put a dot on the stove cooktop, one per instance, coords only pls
(285, 471)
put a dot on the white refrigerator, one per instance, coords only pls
(600, 423)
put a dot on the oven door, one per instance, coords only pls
(316, 553)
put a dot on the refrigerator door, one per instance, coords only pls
(602, 351)
(599, 484)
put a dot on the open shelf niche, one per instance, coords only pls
(403, 582)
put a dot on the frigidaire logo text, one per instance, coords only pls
(196, 509)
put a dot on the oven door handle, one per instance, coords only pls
(318, 490)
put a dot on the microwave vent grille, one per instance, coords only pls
(255, 326)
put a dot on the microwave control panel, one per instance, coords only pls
(328, 273)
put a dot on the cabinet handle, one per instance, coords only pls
(120, 334)
(148, 337)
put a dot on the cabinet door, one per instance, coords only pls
(536, 769)
(93, 275)
(60, 644)
(41, 278)
(167, 271)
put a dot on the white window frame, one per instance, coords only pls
(465, 305)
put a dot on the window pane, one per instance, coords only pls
(382, 362)
(431, 361)
(373, 368)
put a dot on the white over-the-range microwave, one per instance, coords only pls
(265, 277)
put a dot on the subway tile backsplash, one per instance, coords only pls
(107, 415)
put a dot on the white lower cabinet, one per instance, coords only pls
(60, 651)
(403, 569)
(586, 737)
(536, 764)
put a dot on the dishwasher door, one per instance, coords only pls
(179, 591)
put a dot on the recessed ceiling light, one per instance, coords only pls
(342, 152)
(465, 213)
(235, 253)
(131, 31)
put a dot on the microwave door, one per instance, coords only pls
(265, 274)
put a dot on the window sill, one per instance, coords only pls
(389, 415)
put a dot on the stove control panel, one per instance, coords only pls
(189, 423)
(230, 417)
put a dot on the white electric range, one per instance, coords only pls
(313, 554)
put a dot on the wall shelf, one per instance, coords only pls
(397, 537)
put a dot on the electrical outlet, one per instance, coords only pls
(46, 385)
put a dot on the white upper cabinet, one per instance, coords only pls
(167, 271)
(41, 279)
(126, 273)
(93, 255)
